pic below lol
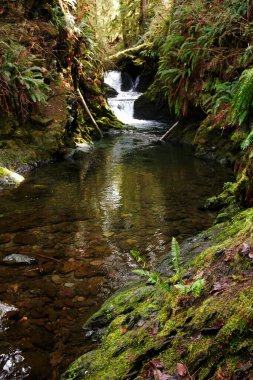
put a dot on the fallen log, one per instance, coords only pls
(166, 135)
(89, 113)
(127, 52)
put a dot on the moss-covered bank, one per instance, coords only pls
(211, 334)
(47, 53)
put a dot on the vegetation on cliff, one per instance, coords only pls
(48, 53)
(201, 57)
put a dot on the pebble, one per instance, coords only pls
(97, 262)
(56, 279)
(69, 284)
(131, 241)
(108, 234)
(7, 311)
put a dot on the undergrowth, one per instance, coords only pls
(21, 80)
(195, 288)
(206, 59)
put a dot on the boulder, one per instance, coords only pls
(151, 109)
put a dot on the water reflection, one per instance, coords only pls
(80, 220)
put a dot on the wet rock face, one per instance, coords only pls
(110, 92)
(127, 82)
(155, 109)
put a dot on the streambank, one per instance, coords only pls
(145, 330)
(44, 69)
(172, 326)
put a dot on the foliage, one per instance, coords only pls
(196, 288)
(248, 141)
(243, 98)
(121, 24)
(176, 260)
(153, 278)
(207, 45)
(138, 257)
(21, 79)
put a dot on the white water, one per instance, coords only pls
(123, 104)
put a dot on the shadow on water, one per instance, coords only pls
(79, 220)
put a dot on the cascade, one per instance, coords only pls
(123, 104)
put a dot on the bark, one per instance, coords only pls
(115, 58)
(89, 113)
(248, 10)
(143, 15)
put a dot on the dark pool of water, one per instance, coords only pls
(80, 219)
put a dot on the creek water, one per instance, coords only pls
(79, 219)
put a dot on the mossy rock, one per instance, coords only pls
(209, 334)
(145, 107)
(9, 178)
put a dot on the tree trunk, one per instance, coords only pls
(123, 23)
(143, 16)
(248, 10)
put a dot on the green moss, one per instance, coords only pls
(4, 172)
(129, 318)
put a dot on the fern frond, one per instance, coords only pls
(176, 260)
(248, 141)
(242, 104)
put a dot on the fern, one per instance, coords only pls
(176, 260)
(22, 81)
(153, 277)
(136, 255)
(184, 289)
(248, 141)
(243, 98)
(197, 287)
(142, 272)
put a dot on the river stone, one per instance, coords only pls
(69, 284)
(108, 234)
(7, 311)
(68, 267)
(16, 259)
(97, 262)
(5, 238)
(84, 270)
(56, 279)
(131, 241)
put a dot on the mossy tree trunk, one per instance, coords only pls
(143, 15)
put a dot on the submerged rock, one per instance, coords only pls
(110, 92)
(16, 259)
(145, 107)
(6, 311)
(9, 178)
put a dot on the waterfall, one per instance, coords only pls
(123, 104)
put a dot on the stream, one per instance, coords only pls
(75, 223)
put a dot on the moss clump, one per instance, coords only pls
(4, 172)
(8, 177)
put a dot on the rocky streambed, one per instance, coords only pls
(66, 235)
